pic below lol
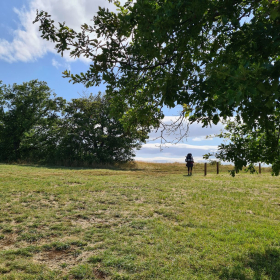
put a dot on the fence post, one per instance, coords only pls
(260, 168)
(218, 167)
(205, 169)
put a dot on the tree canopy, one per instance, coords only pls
(220, 58)
(245, 146)
(37, 126)
(24, 107)
(88, 133)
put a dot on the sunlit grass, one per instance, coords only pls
(143, 221)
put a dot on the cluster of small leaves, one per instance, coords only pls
(211, 161)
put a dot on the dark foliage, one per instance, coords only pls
(37, 128)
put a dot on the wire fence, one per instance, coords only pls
(198, 168)
(217, 168)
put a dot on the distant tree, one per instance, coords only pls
(245, 147)
(40, 127)
(89, 133)
(24, 109)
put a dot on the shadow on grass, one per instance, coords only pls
(53, 166)
(255, 266)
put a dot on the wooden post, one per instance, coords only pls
(260, 168)
(205, 169)
(217, 167)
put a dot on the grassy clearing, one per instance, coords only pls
(147, 222)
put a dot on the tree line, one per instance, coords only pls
(37, 126)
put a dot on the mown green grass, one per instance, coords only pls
(150, 222)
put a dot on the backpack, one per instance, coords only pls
(189, 158)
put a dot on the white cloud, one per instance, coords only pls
(56, 64)
(195, 131)
(177, 152)
(180, 146)
(173, 153)
(198, 139)
(27, 45)
(166, 160)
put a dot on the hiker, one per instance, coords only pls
(189, 161)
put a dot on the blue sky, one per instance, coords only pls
(25, 56)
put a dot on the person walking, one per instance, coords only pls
(189, 160)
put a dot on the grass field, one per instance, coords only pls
(147, 222)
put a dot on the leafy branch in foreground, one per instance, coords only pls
(219, 57)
